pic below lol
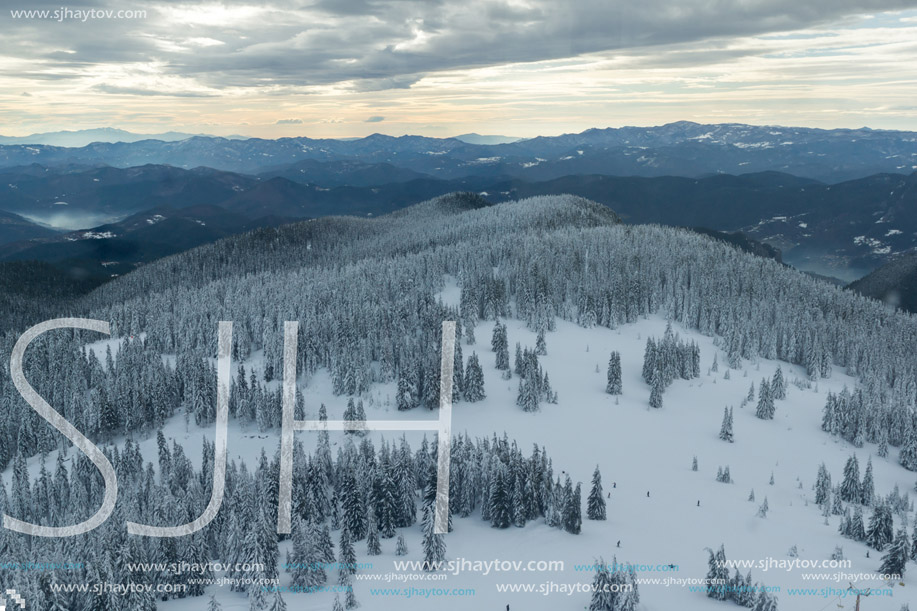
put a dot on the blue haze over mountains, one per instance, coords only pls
(836, 202)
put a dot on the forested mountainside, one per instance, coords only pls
(361, 290)
(895, 283)
(365, 293)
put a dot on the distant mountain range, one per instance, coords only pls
(473, 138)
(84, 137)
(843, 230)
(677, 149)
(840, 203)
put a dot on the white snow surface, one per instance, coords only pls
(638, 449)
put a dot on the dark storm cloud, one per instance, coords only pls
(386, 44)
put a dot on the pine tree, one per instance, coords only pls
(717, 575)
(350, 599)
(763, 509)
(822, 485)
(765, 409)
(867, 488)
(895, 561)
(649, 361)
(401, 548)
(573, 519)
(373, 547)
(603, 596)
(778, 384)
(307, 556)
(434, 546)
(541, 347)
(850, 487)
(913, 552)
(213, 604)
(528, 398)
(500, 499)
(353, 507)
(500, 346)
(277, 603)
(881, 527)
(908, 454)
(857, 527)
(726, 426)
(404, 399)
(474, 380)
(347, 557)
(337, 604)
(595, 504)
(614, 385)
(656, 389)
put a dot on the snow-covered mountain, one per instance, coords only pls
(679, 149)
(739, 378)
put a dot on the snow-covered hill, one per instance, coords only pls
(639, 450)
(563, 265)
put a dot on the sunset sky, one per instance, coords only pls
(346, 68)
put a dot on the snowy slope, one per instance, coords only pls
(639, 449)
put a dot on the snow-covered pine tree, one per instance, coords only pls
(434, 546)
(350, 599)
(778, 384)
(717, 575)
(822, 485)
(500, 345)
(595, 505)
(656, 388)
(347, 556)
(500, 499)
(881, 527)
(614, 384)
(765, 409)
(541, 347)
(373, 547)
(867, 487)
(857, 525)
(908, 455)
(277, 602)
(405, 398)
(726, 426)
(850, 486)
(474, 380)
(573, 519)
(894, 562)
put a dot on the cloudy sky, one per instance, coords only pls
(343, 68)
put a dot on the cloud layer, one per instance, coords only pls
(259, 49)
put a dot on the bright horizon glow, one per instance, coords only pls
(235, 71)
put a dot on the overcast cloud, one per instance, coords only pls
(204, 50)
